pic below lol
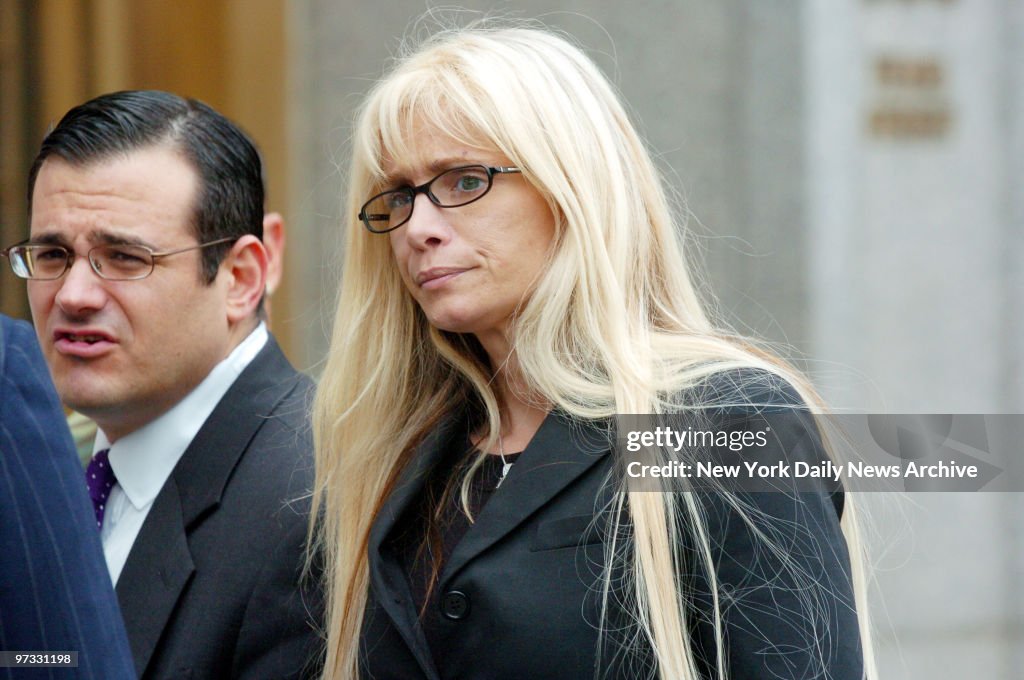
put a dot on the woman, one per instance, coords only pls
(512, 281)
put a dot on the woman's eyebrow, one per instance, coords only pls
(435, 167)
(393, 181)
(447, 163)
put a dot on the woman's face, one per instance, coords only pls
(472, 266)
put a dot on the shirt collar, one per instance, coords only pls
(144, 459)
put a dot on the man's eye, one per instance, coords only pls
(124, 256)
(49, 254)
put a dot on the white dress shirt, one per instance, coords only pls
(143, 460)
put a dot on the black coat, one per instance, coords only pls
(519, 597)
(211, 588)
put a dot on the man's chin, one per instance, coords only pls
(89, 399)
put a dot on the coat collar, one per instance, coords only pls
(160, 563)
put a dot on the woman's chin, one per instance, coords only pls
(467, 323)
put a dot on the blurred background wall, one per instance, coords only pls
(54, 54)
(853, 170)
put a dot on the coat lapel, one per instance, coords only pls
(561, 451)
(160, 563)
(388, 578)
(204, 471)
(158, 568)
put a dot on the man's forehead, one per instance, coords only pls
(148, 171)
(157, 175)
(114, 198)
(99, 236)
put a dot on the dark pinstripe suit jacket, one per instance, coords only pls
(55, 592)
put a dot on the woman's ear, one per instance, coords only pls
(246, 263)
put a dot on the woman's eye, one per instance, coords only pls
(397, 200)
(470, 182)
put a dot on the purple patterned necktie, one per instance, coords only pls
(100, 479)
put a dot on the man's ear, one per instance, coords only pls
(273, 242)
(246, 264)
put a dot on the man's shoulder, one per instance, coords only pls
(269, 388)
(257, 443)
(17, 337)
(271, 378)
(25, 378)
(12, 328)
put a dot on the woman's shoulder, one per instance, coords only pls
(758, 400)
(747, 389)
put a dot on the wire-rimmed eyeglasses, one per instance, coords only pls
(452, 188)
(114, 262)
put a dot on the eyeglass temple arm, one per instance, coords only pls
(195, 247)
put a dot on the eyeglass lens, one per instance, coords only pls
(114, 262)
(450, 189)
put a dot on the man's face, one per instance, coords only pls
(124, 352)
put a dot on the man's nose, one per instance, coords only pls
(81, 289)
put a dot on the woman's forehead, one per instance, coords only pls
(427, 150)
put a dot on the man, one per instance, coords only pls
(55, 596)
(146, 275)
(83, 429)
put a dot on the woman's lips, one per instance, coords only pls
(435, 277)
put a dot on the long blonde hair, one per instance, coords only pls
(613, 325)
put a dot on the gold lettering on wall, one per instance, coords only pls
(909, 2)
(910, 100)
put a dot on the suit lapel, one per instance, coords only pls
(387, 575)
(158, 568)
(160, 563)
(561, 451)
(206, 467)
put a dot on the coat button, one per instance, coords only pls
(455, 605)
